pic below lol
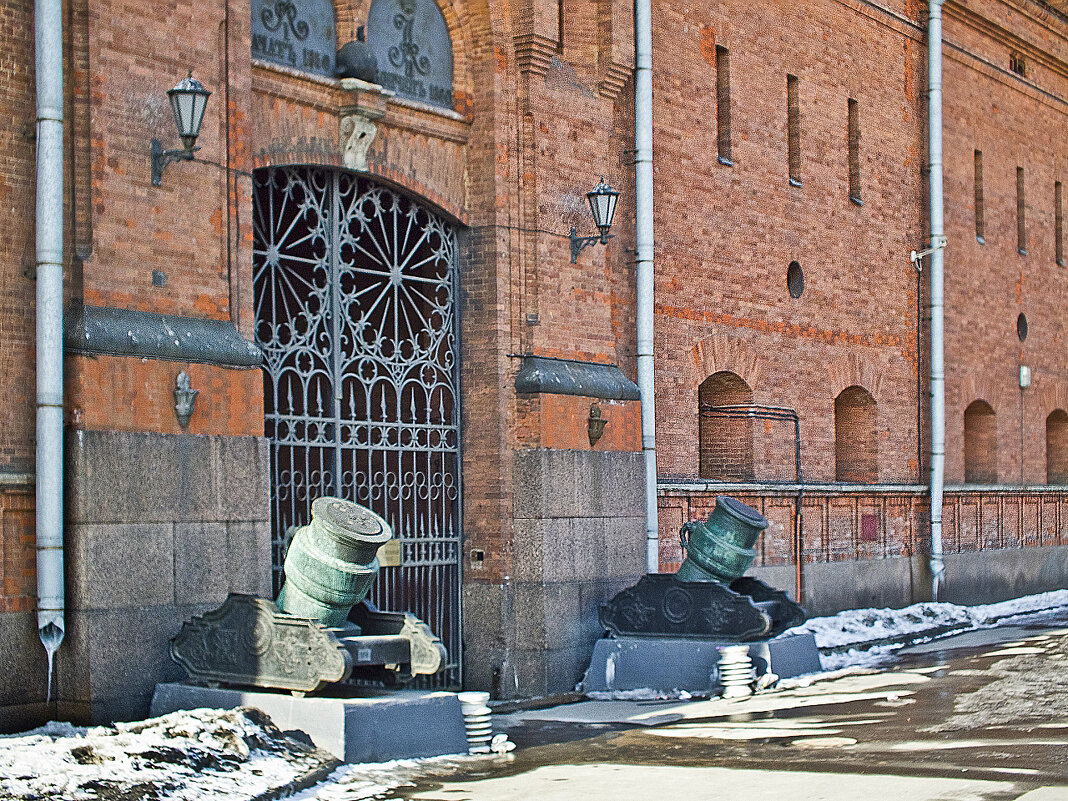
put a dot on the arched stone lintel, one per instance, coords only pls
(854, 370)
(720, 353)
(301, 157)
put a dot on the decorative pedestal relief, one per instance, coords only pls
(357, 128)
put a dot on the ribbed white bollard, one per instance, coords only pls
(476, 721)
(735, 671)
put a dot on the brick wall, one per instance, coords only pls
(17, 257)
(1057, 447)
(980, 444)
(856, 447)
(726, 443)
(726, 235)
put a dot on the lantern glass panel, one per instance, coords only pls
(603, 205)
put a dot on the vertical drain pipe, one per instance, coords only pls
(938, 243)
(48, 53)
(643, 261)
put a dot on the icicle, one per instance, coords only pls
(51, 636)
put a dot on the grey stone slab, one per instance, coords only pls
(991, 576)
(564, 669)
(111, 566)
(373, 728)
(590, 556)
(23, 659)
(126, 477)
(201, 563)
(487, 641)
(528, 479)
(630, 663)
(16, 718)
(248, 560)
(624, 543)
(528, 554)
(530, 613)
(123, 653)
(562, 611)
(242, 468)
(569, 483)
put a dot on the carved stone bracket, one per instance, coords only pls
(357, 129)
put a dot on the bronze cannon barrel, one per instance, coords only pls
(332, 562)
(721, 547)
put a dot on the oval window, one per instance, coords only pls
(795, 280)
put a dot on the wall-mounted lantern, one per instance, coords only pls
(602, 200)
(188, 101)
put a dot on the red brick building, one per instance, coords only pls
(370, 285)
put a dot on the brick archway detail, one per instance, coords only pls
(854, 370)
(721, 353)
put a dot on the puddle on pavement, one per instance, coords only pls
(880, 722)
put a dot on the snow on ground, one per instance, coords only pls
(225, 755)
(859, 637)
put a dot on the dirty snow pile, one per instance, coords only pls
(225, 755)
(866, 636)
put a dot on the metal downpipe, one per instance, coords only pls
(938, 388)
(643, 261)
(48, 54)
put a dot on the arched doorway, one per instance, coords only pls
(355, 288)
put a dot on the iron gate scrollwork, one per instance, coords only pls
(355, 288)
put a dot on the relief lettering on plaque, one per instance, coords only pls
(295, 34)
(411, 42)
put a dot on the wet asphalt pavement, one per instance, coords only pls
(982, 715)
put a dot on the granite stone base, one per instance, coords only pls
(375, 727)
(631, 663)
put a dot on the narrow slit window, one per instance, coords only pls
(854, 151)
(1021, 213)
(793, 130)
(723, 105)
(980, 224)
(1058, 222)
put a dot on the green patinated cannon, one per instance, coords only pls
(709, 598)
(332, 562)
(321, 630)
(720, 548)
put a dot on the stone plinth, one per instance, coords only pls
(375, 727)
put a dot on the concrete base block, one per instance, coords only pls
(373, 728)
(630, 663)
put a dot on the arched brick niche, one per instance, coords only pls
(856, 449)
(1057, 447)
(726, 444)
(980, 444)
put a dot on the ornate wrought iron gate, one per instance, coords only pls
(355, 291)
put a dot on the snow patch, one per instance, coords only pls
(225, 755)
(868, 637)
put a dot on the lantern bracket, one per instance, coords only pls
(580, 242)
(161, 158)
